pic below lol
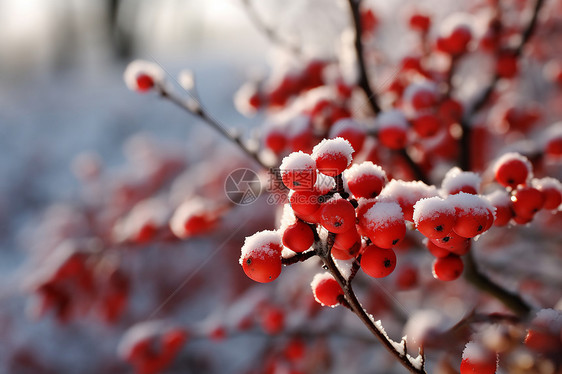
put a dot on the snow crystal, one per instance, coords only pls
(392, 118)
(383, 213)
(333, 147)
(138, 67)
(287, 216)
(513, 156)
(297, 161)
(429, 206)
(261, 244)
(364, 168)
(456, 179)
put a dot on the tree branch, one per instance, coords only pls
(481, 281)
(363, 77)
(482, 100)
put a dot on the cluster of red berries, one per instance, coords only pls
(73, 278)
(151, 347)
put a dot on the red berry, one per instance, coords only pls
(407, 277)
(456, 181)
(338, 216)
(554, 147)
(426, 125)
(457, 41)
(369, 21)
(144, 82)
(276, 141)
(365, 179)
(298, 237)
(295, 350)
(351, 131)
(453, 243)
(420, 22)
(261, 256)
(393, 128)
(552, 191)
(450, 111)
(436, 250)
(434, 217)
(298, 171)
(507, 65)
(384, 224)
(448, 268)
(512, 169)
(378, 262)
(332, 156)
(474, 214)
(477, 360)
(326, 289)
(272, 320)
(304, 202)
(346, 240)
(527, 201)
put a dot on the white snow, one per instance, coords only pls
(499, 198)
(456, 178)
(471, 203)
(382, 214)
(324, 183)
(409, 192)
(297, 161)
(333, 148)
(140, 332)
(454, 21)
(318, 278)
(475, 352)
(356, 171)
(547, 183)
(186, 210)
(419, 86)
(261, 245)
(392, 118)
(427, 207)
(550, 319)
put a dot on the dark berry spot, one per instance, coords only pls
(395, 241)
(510, 181)
(479, 228)
(296, 183)
(249, 261)
(446, 239)
(387, 263)
(439, 228)
(337, 223)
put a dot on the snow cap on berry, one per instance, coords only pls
(138, 68)
(345, 124)
(333, 147)
(382, 214)
(471, 203)
(261, 245)
(297, 161)
(320, 278)
(392, 118)
(455, 179)
(427, 207)
(409, 191)
(417, 87)
(475, 352)
(499, 198)
(357, 171)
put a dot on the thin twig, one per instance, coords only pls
(299, 257)
(199, 111)
(267, 30)
(363, 77)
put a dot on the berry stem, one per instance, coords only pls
(481, 281)
(199, 111)
(299, 257)
(481, 101)
(364, 83)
